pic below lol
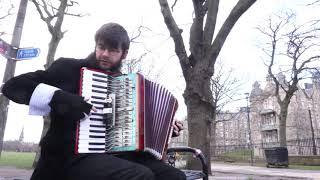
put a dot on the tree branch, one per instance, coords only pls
(175, 33)
(196, 32)
(9, 13)
(241, 7)
(211, 20)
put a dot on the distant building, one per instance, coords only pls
(303, 108)
(303, 119)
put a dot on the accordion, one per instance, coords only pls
(133, 114)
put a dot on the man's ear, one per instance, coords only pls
(124, 55)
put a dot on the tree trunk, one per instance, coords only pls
(213, 140)
(46, 119)
(4, 102)
(46, 125)
(282, 125)
(200, 116)
(53, 45)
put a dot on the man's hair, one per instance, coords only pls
(113, 35)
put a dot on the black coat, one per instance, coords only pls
(57, 146)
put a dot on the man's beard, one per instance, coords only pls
(94, 63)
(115, 68)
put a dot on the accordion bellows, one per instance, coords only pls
(133, 114)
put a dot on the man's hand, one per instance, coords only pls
(177, 127)
(69, 105)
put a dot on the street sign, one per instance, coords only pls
(6, 49)
(27, 53)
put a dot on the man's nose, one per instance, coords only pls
(105, 52)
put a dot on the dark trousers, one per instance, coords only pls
(132, 166)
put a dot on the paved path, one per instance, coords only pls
(221, 171)
(11, 173)
(263, 172)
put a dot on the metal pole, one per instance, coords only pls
(314, 148)
(10, 66)
(249, 129)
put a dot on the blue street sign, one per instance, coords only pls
(27, 53)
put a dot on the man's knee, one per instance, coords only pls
(143, 173)
(173, 174)
(178, 175)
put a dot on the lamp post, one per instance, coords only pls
(314, 147)
(249, 129)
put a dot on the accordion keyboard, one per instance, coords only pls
(112, 128)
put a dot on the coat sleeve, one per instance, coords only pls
(20, 88)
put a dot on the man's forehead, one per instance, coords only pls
(109, 43)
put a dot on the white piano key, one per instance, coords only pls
(84, 146)
(87, 140)
(83, 135)
(86, 150)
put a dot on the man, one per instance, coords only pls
(55, 92)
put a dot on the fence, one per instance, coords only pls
(242, 153)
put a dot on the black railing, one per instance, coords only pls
(241, 152)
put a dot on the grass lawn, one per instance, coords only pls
(244, 155)
(25, 159)
(17, 159)
(304, 167)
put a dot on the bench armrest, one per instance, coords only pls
(196, 152)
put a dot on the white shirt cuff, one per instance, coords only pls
(40, 99)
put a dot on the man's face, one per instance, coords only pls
(107, 57)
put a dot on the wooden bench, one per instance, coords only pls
(191, 174)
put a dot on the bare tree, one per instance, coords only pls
(198, 67)
(5, 13)
(301, 44)
(224, 87)
(133, 64)
(314, 3)
(53, 13)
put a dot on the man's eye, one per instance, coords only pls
(115, 50)
(101, 47)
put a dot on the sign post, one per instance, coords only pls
(27, 53)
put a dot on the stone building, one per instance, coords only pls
(231, 131)
(302, 120)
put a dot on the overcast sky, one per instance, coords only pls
(240, 51)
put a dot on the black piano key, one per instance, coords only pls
(97, 143)
(96, 136)
(96, 119)
(96, 149)
(97, 131)
(97, 126)
(97, 97)
(100, 87)
(97, 102)
(99, 75)
(97, 91)
(99, 80)
(96, 114)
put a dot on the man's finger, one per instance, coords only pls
(94, 109)
(179, 125)
(175, 128)
(86, 99)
